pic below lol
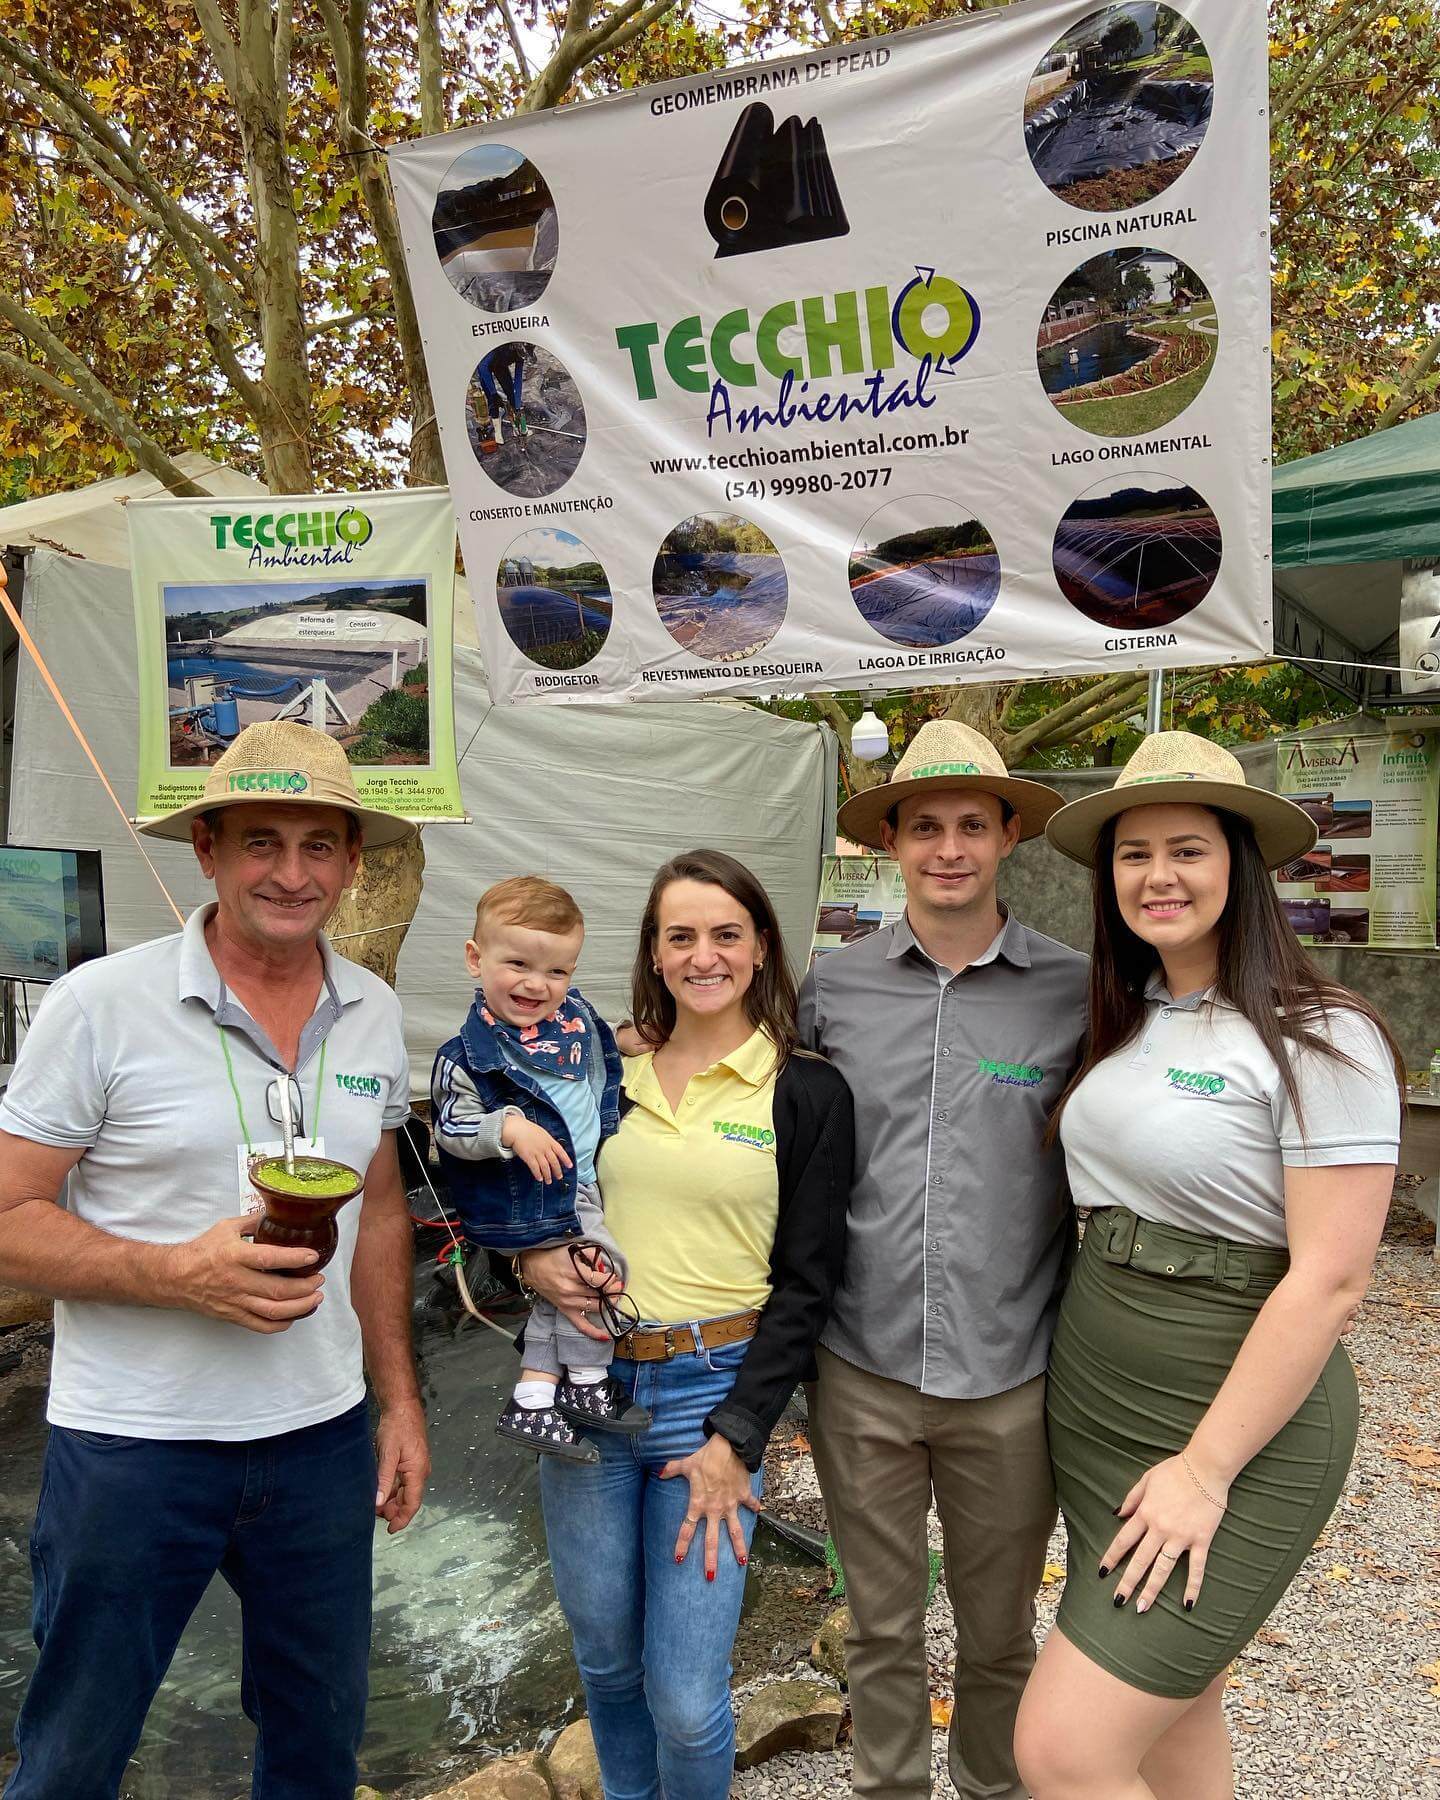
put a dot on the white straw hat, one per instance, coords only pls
(276, 759)
(945, 755)
(1177, 767)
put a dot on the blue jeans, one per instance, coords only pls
(652, 1639)
(129, 1532)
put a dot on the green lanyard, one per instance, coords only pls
(240, 1106)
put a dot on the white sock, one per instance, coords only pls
(535, 1394)
(587, 1377)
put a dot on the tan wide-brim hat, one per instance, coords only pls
(1178, 768)
(277, 759)
(944, 755)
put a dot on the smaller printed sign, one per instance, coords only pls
(1370, 880)
(332, 610)
(858, 895)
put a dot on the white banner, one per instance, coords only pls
(942, 357)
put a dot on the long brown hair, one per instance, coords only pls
(770, 1000)
(1261, 971)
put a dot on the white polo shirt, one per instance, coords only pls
(1190, 1124)
(125, 1059)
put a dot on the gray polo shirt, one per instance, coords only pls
(1189, 1124)
(126, 1062)
(960, 1223)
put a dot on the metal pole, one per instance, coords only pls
(1152, 704)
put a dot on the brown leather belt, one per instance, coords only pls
(658, 1343)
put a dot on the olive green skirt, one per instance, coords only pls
(1149, 1327)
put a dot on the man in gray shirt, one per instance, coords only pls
(957, 1029)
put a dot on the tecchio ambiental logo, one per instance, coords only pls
(1196, 1081)
(268, 781)
(292, 530)
(1008, 1074)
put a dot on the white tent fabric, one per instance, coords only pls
(595, 797)
(90, 522)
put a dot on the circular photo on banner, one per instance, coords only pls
(923, 571)
(525, 419)
(1137, 551)
(1127, 342)
(495, 228)
(720, 587)
(1117, 110)
(554, 598)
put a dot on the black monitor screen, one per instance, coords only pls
(52, 914)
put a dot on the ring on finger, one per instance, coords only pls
(1168, 1555)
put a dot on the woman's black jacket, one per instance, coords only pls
(814, 1120)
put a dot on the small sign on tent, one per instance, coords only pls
(334, 610)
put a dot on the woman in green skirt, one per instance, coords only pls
(1233, 1130)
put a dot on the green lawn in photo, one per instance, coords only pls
(1132, 415)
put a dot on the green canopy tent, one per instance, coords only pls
(1346, 522)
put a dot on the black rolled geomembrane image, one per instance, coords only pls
(554, 598)
(495, 228)
(774, 186)
(720, 587)
(1117, 110)
(1138, 551)
(923, 572)
(525, 419)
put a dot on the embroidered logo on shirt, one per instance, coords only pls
(1008, 1074)
(368, 1085)
(758, 1137)
(1196, 1081)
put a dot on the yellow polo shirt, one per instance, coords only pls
(692, 1195)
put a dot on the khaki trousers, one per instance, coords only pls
(881, 1449)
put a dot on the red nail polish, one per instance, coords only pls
(743, 1561)
(679, 1559)
(709, 1574)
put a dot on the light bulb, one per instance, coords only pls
(869, 737)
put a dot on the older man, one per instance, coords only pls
(207, 1401)
(957, 1029)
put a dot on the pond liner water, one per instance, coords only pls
(1107, 123)
(773, 186)
(801, 1536)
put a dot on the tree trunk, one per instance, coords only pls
(370, 923)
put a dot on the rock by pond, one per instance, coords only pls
(787, 1715)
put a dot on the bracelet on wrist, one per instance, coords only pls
(518, 1271)
(1200, 1485)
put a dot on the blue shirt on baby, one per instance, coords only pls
(577, 1104)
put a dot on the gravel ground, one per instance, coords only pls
(1339, 1696)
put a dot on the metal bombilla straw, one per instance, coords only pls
(287, 1123)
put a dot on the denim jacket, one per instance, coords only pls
(501, 1204)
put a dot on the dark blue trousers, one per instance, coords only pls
(129, 1532)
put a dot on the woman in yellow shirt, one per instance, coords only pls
(726, 1188)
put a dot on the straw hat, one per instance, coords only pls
(944, 756)
(280, 760)
(1177, 767)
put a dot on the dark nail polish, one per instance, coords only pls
(1104, 1570)
(679, 1559)
(1189, 1606)
(743, 1561)
(1120, 1599)
(1115, 1512)
(709, 1574)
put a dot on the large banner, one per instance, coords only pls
(332, 609)
(942, 357)
(1371, 878)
